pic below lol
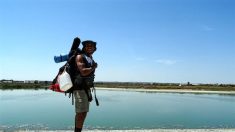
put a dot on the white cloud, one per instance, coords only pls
(166, 61)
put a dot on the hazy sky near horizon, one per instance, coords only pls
(137, 40)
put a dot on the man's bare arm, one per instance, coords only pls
(81, 66)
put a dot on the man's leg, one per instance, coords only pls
(79, 121)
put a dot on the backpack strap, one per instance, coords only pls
(96, 99)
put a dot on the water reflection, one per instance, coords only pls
(48, 110)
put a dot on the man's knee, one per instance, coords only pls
(81, 115)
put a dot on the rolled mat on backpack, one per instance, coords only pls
(65, 57)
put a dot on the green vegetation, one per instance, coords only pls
(5, 86)
(160, 86)
(134, 85)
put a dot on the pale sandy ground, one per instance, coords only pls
(170, 90)
(153, 130)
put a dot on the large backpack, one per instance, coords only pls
(70, 67)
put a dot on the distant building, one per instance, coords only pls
(44, 82)
(18, 81)
(29, 81)
(6, 81)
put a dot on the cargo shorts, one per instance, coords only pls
(81, 101)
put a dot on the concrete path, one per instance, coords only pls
(152, 130)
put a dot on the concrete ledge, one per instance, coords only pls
(169, 130)
(151, 130)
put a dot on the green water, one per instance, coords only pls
(44, 109)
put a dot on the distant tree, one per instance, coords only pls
(36, 82)
(46, 82)
(188, 83)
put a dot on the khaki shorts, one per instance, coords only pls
(81, 101)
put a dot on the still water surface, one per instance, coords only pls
(44, 109)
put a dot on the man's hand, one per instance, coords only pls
(95, 65)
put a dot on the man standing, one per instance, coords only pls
(83, 82)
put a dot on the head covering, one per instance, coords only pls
(88, 42)
(84, 43)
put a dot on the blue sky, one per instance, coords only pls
(138, 40)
